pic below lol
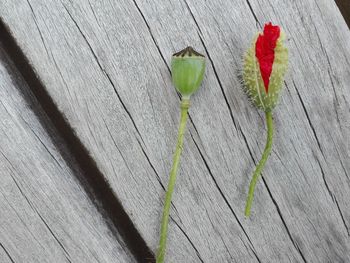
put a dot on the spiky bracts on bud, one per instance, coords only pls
(265, 64)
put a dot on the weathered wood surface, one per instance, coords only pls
(106, 66)
(46, 216)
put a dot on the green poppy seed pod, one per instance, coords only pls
(187, 68)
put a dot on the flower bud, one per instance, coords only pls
(265, 64)
(187, 68)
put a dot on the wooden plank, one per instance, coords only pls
(103, 65)
(46, 216)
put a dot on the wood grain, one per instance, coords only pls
(46, 216)
(106, 66)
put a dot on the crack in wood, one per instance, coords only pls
(53, 234)
(219, 82)
(224, 198)
(193, 17)
(190, 241)
(324, 178)
(7, 253)
(104, 72)
(150, 32)
(342, 217)
(30, 203)
(284, 222)
(308, 119)
(34, 209)
(253, 13)
(38, 28)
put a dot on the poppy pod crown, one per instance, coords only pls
(265, 64)
(187, 68)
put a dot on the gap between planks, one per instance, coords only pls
(344, 7)
(93, 182)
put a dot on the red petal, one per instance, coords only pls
(265, 51)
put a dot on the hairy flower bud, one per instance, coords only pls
(265, 64)
(187, 68)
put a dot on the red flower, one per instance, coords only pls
(265, 51)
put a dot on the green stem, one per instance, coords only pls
(185, 104)
(261, 163)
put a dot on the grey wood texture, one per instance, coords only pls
(46, 216)
(106, 66)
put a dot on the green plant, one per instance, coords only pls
(265, 64)
(187, 68)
